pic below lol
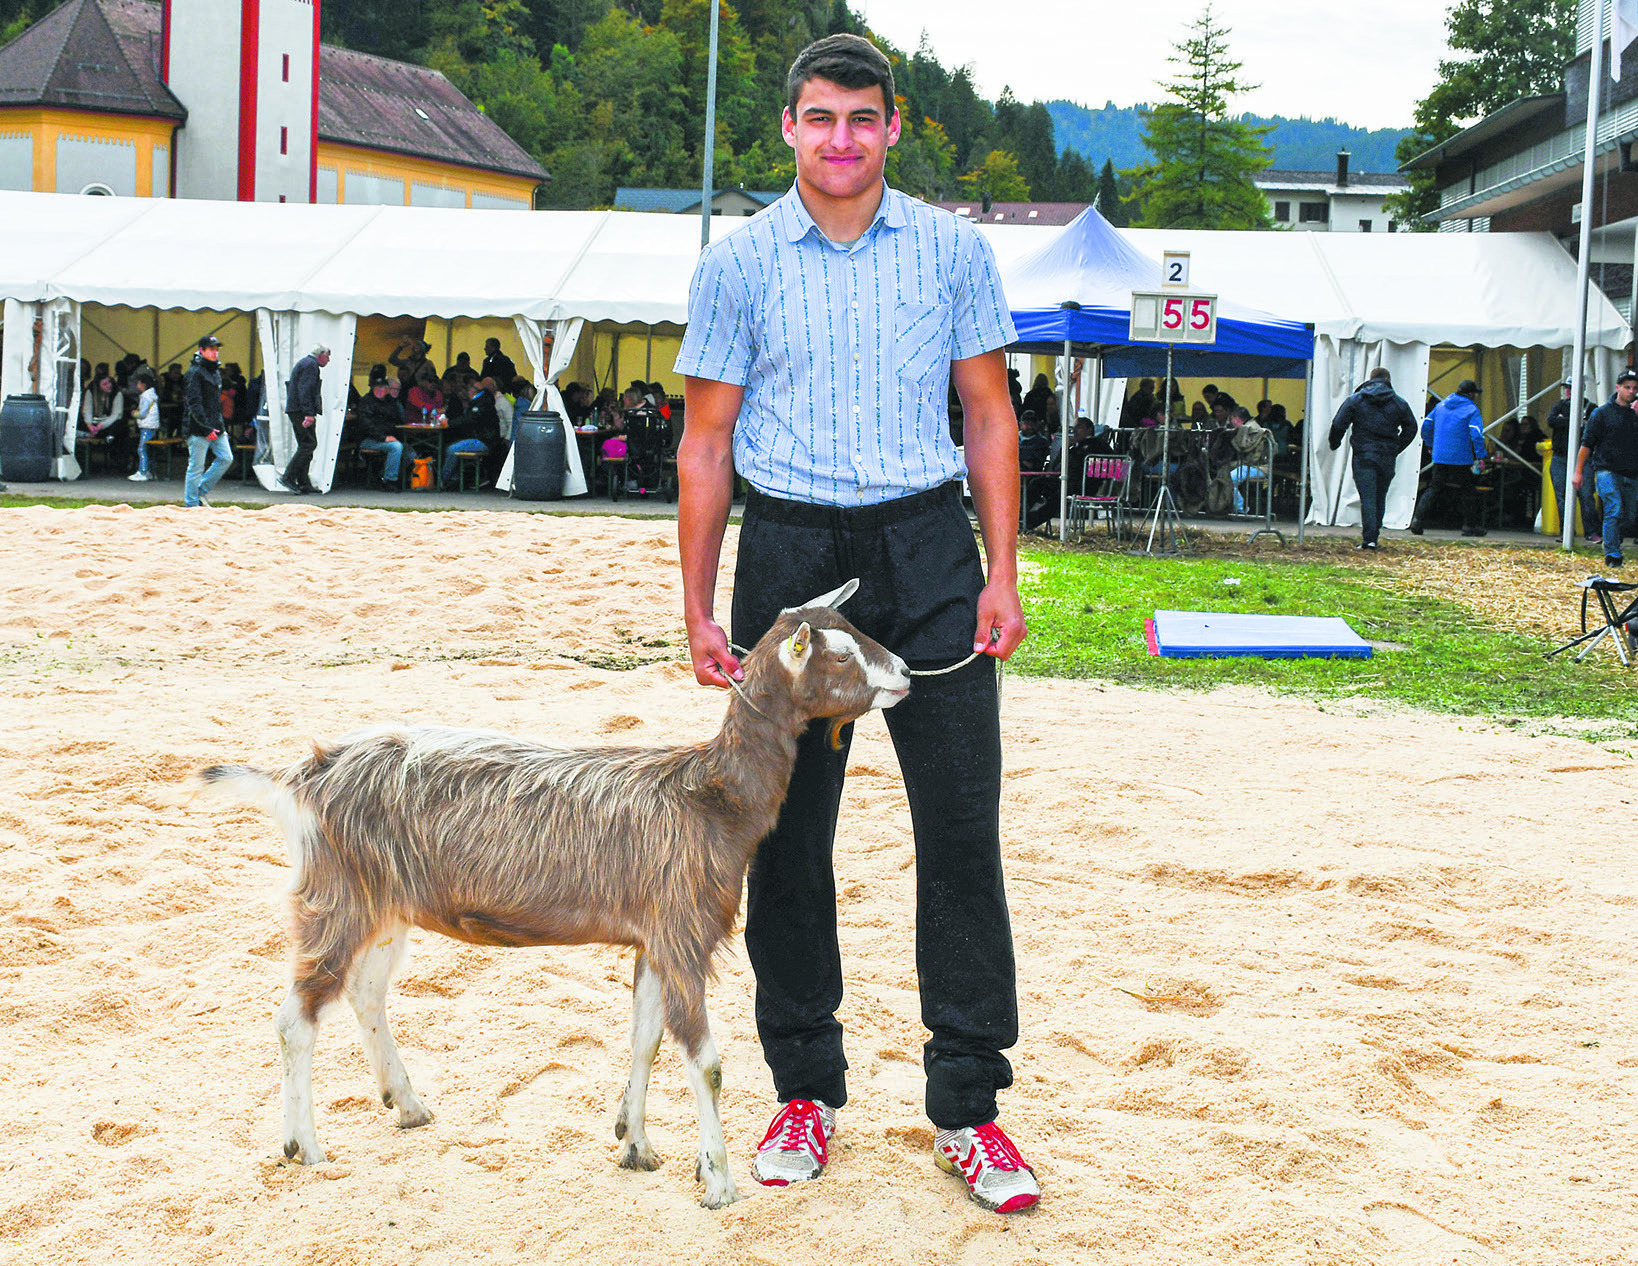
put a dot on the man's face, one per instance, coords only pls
(1626, 391)
(841, 137)
(379, 391)
(323, 359)
(210, 353)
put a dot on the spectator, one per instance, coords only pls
(478, 432)
(1015, 392)
(662, 403)
(303, 404)
(1612, 443)
(1252, 451)
(102, 408)
(1200, 415)
(1279, 429)
(523, 395)
(505, 411)
(202, 420)
(1033, 444)
(1208, 394)
(1455, 432)
(378, 420)
(1383, 427)
(1223, 406)
(410, 358)
(1138, 404)
(463, 371)
(497, 365)
(147, 420)
(1558, 428)
(577, 400)
(1035, 399)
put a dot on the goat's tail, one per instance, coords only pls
(273, 795)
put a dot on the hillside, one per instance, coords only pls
(1299, 144)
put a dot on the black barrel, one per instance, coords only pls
(539, 455)
(28, 444)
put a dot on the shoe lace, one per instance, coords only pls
(997, 1148)
(799, 1127)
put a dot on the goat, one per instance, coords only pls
(500, 841)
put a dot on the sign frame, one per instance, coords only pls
(1187, 317)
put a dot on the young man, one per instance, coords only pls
(202, 420)
(1611, 440)
(1383, 427)
(1455, 433)
(822, 339)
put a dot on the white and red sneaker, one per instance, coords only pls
(996, 1174)
(797, 1144)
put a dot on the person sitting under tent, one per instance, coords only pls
(477, 432)
(377, 421)
(102, 408)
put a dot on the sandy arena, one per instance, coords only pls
(1398, 953)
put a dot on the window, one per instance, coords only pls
(1393, 226)
(1364, 226)
(286, 71)
(1313, 212)
(284, 140)
(1282, 212)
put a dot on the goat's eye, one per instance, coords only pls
(843, 656)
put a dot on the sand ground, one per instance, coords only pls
(1397, 950)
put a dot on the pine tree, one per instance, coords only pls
(1519, 49)
(1109, 204)
(1204, 159)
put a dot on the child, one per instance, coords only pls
(147, 421)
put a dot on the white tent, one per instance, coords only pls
(1389, 299)
(309, 273)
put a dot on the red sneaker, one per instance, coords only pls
(996, 1175)
(797, 1144)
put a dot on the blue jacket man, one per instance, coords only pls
(1455, 433)
(1383, 427)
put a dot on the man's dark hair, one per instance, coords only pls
(848, 60)
(1380, 374)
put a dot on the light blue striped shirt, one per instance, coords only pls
(844, 351)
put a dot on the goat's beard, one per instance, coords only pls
(836, 724)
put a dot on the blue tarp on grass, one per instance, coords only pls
(1198, 634)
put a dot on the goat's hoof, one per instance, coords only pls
(639, 1156)
(295, 1151)
(413, 1114)
(720, 1197)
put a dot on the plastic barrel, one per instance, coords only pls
(539, 455)
(28, 444)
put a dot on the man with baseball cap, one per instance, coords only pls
(202, 418)
(1455, 433)
(1558, 430)
(1611, 440)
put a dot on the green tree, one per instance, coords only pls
(1204, 159)
(1518, 48)
(1109, 203)
(923, 162)
(996, 179)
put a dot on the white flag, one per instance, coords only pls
(1623, 30)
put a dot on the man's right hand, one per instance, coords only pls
(1575, 480)
(714, 663)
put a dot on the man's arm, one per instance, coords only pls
(1340, 424)
(991, 434)
(705, 481)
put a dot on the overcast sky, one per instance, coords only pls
(1364, 64)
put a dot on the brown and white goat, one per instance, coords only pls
(501, 841)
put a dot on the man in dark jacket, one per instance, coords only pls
(378, 417)
(1383, 427)
(302, 405)
(498, 367)
(202, 420)
(477, 432)
(1612, 443)
(1455, 432)
(1563, 460)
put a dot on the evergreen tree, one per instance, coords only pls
(996, 179)
(1109, 203)
(1204, 159)
(1519, 48)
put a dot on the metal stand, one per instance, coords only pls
(1164, 518)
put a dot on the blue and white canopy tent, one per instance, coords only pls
(1073, 297)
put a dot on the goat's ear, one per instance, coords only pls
(800, 644)
(836, 597)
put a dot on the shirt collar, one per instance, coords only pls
(798, 223)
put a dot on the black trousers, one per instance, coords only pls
(1373, 472)
(306, 444)
(920, 577)
(1458, 477)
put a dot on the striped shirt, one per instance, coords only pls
(844, 350)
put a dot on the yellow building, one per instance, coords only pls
(132, 98)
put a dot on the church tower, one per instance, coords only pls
(247, 72)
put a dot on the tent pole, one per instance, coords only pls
(708, 173)
(1064, 415)
(1307, 438)
(1595, 73)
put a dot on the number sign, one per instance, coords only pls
(1170, 317)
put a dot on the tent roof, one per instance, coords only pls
(1501, 289)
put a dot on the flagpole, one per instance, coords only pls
(1583, 265)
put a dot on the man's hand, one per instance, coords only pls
(389, 440)
(1575, 480)
(714, 663)
(307, 421)
(1000, 620)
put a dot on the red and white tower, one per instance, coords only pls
(247, 72)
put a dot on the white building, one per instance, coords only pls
(1331, 201)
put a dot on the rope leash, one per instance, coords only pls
(1000, 669)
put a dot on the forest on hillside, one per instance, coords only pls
(606, 93)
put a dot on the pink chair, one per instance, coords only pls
(1110, 478)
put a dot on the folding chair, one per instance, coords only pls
(1113, 473)
(1620, 624)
